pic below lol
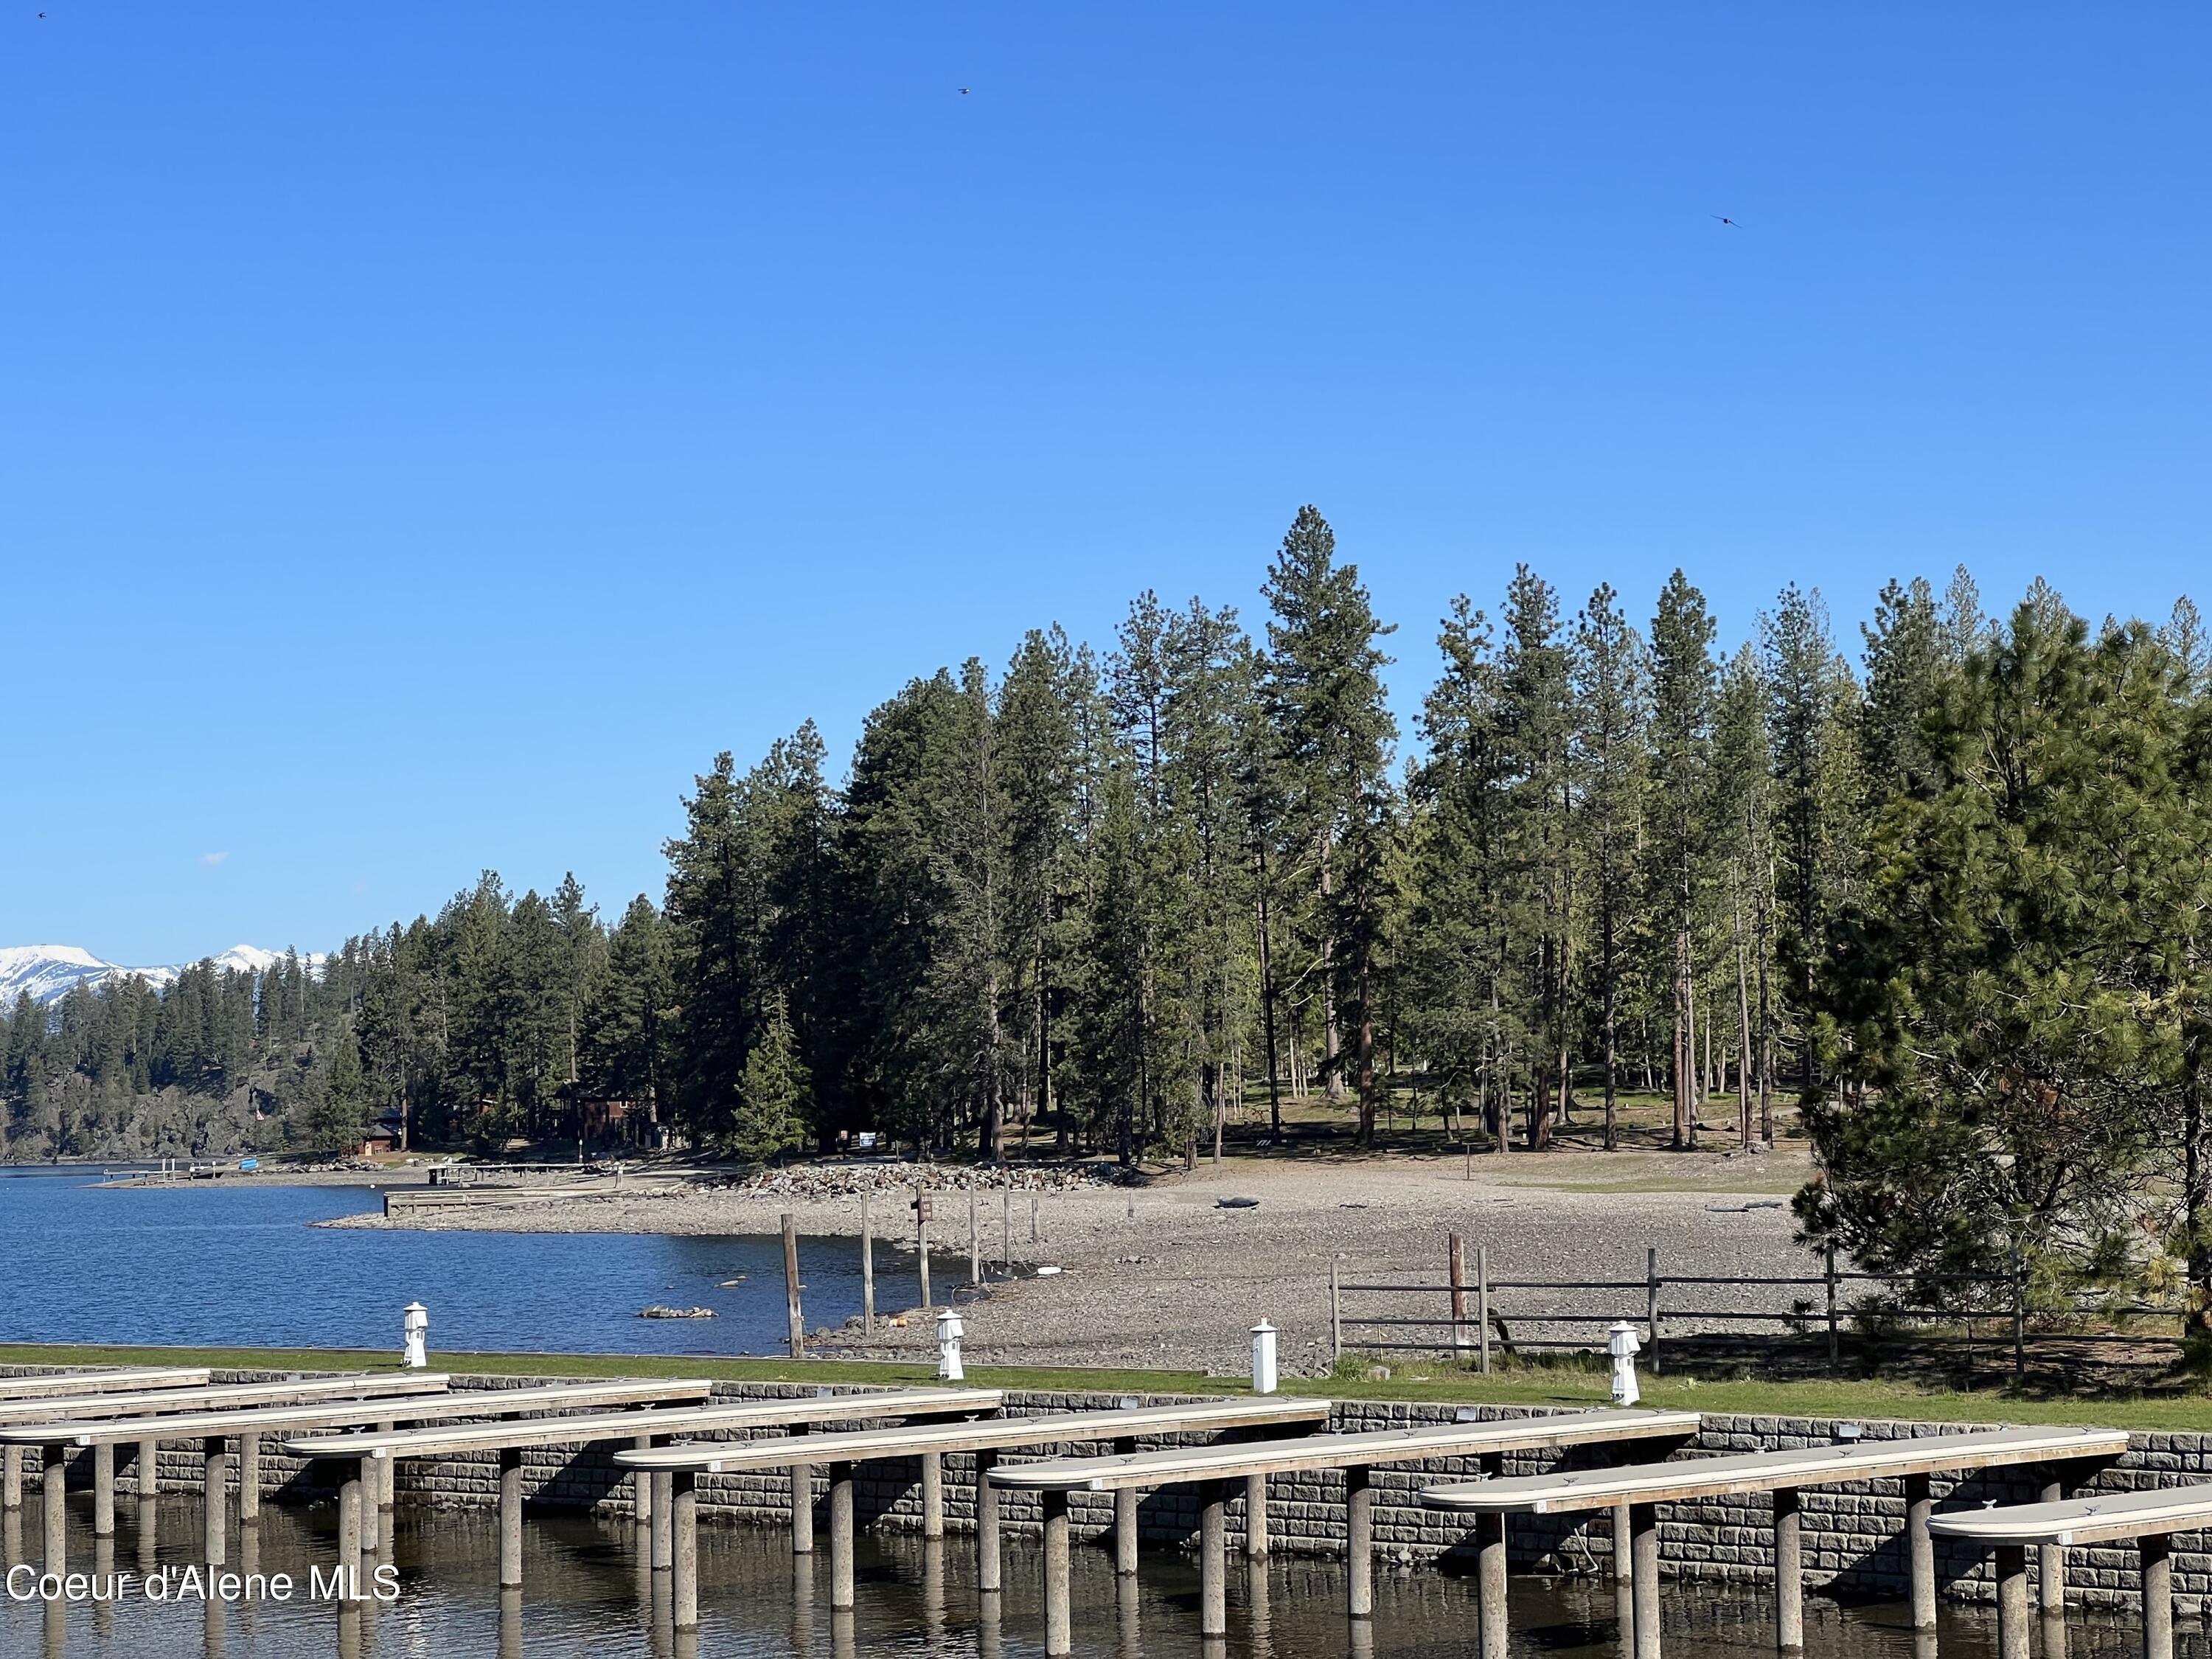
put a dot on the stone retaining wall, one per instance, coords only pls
(1852, 1535)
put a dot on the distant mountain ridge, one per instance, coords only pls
(49, 972)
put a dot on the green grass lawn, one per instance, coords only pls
(1535, 1386)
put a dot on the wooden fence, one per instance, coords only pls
(1977, 1313)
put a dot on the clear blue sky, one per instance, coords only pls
(428, 433)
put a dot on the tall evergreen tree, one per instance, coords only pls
(1324, 689)
(1611, 718)
(1678, 866)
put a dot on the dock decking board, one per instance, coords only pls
(930, 1443)
(1634, 1495)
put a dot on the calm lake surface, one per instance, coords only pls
(587, 1596)
(242, 1265)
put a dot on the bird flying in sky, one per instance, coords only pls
(1725, 220)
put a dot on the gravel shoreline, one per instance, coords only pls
(1157, 1275)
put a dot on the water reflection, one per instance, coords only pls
(587, 1595)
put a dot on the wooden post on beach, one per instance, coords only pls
(867, 1271)
(1007, 1231)
(791, 1287)
(1456, 1247)
(921, 1239)
(1033, 1218)
(975, 1241)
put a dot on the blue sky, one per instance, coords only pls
(429, 434)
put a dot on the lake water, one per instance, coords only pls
(586, 1595)
(241, 1264)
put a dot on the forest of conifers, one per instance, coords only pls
(1947, 883)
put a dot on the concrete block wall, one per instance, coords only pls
(1851, 1536)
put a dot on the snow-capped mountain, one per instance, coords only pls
(47, 971)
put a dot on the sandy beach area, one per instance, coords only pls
(1161, 1274)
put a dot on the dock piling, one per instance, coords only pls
(1058, 1638)
(802, 1502)
(1359, 1539)
(684, 1515)
(1125, 1517)
(664, 1520)
(990, 1571)
(350, 1496)
(2013, 1638)
(1490, 1583)
(1920, 1550)
(510, 1518)
(1788, 1572)
(2156, 1555)
(1643, 1557)
(841, 1536)
(53, 1479)
(103, 1489)
(932, 1495)
(215, 1478)
(1212, 1566)
(2050, 1558)
(249, 1480)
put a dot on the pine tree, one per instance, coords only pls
(1612, 716)
(1905, 668)
(1679, 868)
(1743, 839)
(1324, 692)
(1537, 726)
(773, 1093)
(1812, 713)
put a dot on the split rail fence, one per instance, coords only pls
(1833, 1309)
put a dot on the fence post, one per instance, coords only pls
(1652, 1303)
(1456, 1247)
(1335, 1315)
(974, 1242)
(1482, 1301)
(1834, 1346)
(2019, 1318)
(1006, 1232)
(1033, 1218)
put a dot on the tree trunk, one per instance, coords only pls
(1765, 1018)
(1363, 1054)
(1681, 1039)
(1268, 1010)
(2195, 1202)
(1743, 1046)
(1331, 1069)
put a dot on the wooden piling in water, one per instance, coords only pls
(684, 1514)
(53, 1480)
(510, 1517)
(103, 1489)
(216, 1477)
(867, 1271)
(793, 1314)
